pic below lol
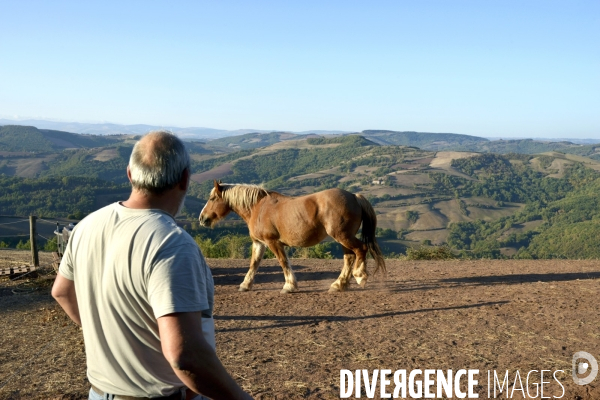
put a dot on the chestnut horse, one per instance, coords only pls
(275, 220)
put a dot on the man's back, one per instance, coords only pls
(130, 267)
(141, 290)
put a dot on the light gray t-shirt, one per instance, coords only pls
(131, 267)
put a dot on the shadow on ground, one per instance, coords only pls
(524, 278)
(295, 320)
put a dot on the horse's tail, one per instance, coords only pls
(369, 224)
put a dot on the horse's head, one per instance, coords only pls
(215, 209)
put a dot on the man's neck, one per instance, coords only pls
(167, 201)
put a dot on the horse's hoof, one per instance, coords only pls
(243, 289)
(333, 289)
(285, 291)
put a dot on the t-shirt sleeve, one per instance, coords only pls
(66, 263)
(178, 281)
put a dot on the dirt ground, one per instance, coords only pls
(485, 315)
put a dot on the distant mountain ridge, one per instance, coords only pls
(430, 141)
(191, 133)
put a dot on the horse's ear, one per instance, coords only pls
(217, 188)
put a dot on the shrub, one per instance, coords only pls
(51, 245)
(24, 246)
(211, 249)
(386, 233)
(237, 246)
(321, 251)
(231, 246)
(412, 216)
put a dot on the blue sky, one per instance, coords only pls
(487, 68)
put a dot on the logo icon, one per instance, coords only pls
(584, 362)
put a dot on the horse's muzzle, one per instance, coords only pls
(204, 221)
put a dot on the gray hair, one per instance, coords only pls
(157, 162)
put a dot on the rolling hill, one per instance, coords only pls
(483, 204)
(427, 141)
(17, 138)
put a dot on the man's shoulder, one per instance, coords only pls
(177, 236)
(164, 228)
(157, 224)
(99, 215)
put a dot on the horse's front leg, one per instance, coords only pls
(258, 250)
(290, 279)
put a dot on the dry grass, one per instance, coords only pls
(28, 167)
(443, 159)
(437, 237)
(216, 173)
(106, 154)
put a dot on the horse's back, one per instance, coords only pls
(336, 209)
(336, 199)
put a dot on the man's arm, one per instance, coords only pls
(193, 359)
(64, 293)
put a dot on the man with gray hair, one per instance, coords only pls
(141, 290)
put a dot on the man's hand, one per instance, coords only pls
(193, 359)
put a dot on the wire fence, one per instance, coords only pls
(37, 219)
(44, 237)
(50, 222)
(15, 222)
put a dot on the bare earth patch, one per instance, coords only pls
(216, 173)
(106, 154)
(486, 315)
(443, 159)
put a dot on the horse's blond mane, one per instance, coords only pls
(242, 196)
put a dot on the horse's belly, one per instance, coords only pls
(305, 239)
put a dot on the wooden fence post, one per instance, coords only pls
(32, 235)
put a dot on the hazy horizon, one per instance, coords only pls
(241, 131)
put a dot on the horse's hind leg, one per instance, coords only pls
(258, 250)
(360, 250)
(290, 279)
(341, 283)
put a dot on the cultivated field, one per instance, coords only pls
(485, 315)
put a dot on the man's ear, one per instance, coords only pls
(128, 174)
(184, 184)
(218, 190)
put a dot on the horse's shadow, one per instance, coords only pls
(523, 278)
(219, 271)
(268, 274)
(491, 280)
(287, 321)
